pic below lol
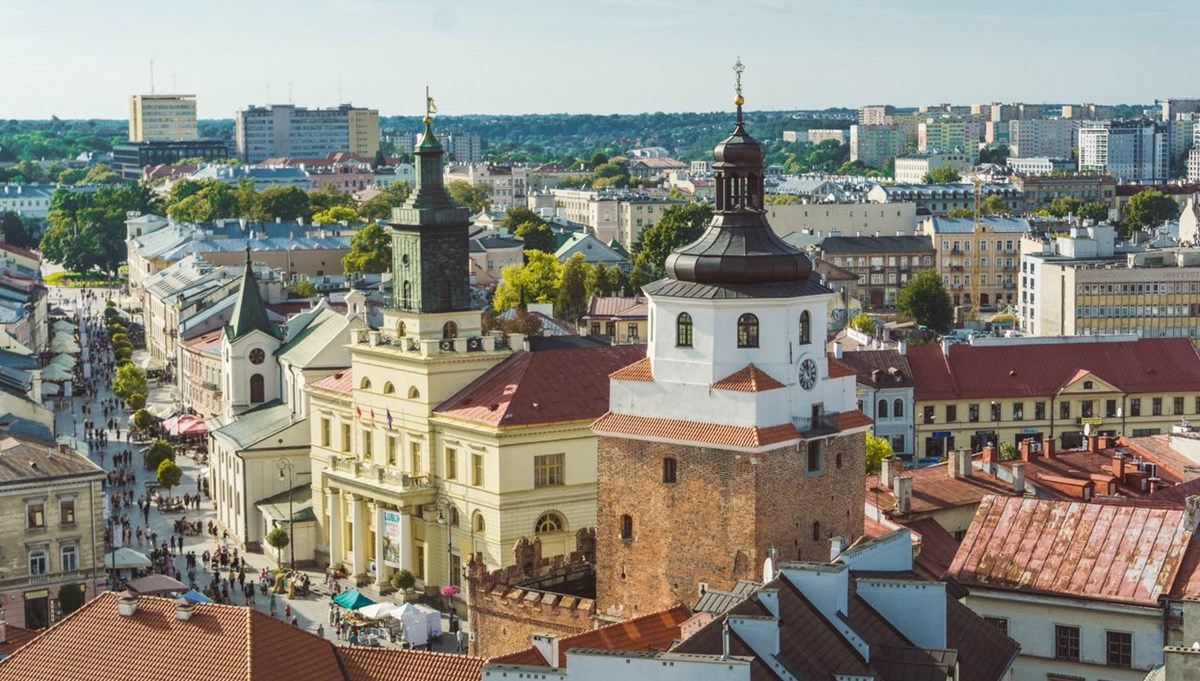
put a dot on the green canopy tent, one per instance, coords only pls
(351, 599)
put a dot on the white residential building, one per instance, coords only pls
(1131, 151)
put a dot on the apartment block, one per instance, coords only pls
(1053, 137)
(1039, 191)
(911, 168)
(1087, 112)
(816, 136)
(994, 253)
(951, 135)
(882, 264)
(876, 114)
(1131, 151)
(1040, 165)
(285, 130)
(162, 118)
(873, 145)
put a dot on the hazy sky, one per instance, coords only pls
(82, 58)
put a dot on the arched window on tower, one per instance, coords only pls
(449, 331)
(257, 388)
(683, 330)
(882, 411)
(747, 331)
(805, 328)
(898, 408)
(549, 522)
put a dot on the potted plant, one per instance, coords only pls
(404, 581)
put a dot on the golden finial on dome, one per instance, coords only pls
(737, 70)
(430, 107)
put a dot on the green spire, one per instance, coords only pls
(250, 313)
(429, 203)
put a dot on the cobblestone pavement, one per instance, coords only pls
(311, 611)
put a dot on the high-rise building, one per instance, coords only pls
(876, 114)
(873, 145)
(1049, 137)
(463, 148)
(1087, 112)
(1131, 151)
(162, 118)
(951, 134)
(1171, 108)
(285, 130)
(736, 421)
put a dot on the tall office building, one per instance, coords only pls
(284, 130)
(162, 118)
(1131, 151)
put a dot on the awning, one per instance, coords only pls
(351, 599)
(55, 372)
(376, 611)
(185, 424)
(51, 390)
(194, 596)
(160, 410)
(150, 363)
(157, 585)
(124, 558)
(63, 325)
(64, 360)
(62, 344)
(275, 506)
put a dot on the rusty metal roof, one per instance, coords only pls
(1124, 553)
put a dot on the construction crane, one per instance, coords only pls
(976, 231)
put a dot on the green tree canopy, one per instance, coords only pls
(1149, 207)
(465, 194)
(16, 232)
(285, 203)
(320, 200)
(304, 288)
(278, 539)
(941, 175)
(169, 474)
(863, 322)
(159, 451)
(924, 300)
(537, 237)
(370, 250)
(572, 300)
(128, 380)
(535, 281)
(518, 215)
(680, 225)
(101, 173)
(380, 207)
(878, 449)
(336, 214)
(87, 230)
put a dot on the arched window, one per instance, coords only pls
(365, 384)
(406, 300)
(453, 516)
(413, 393)
(401, 330)
(805, 328)
(479, 524)
(388, 388)
(670, 469)
(747, 331)
(627, 527)
(882, 411)
(683, 330)
(549, 522)
(257, 388)
(898, 408)
(449, 331)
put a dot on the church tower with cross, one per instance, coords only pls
(736, 439)
(249, 366)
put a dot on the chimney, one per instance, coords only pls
(837, 349)
(989, 457)
(547, 645)
(903, 492)
(946, 348)
(891, 467)
(1118, 467)
(960, 464)
(184, 609)
(1048, 447)
(1191, 516)
(1093, 443)
(1026, 449)
(1155, 484)
(1018, 477)
(836, 546)
(902, 347)
(725, 639)
(127, 604)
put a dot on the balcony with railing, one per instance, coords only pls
(433, 346)
(378, 473)
(825, 423)
(18, 581)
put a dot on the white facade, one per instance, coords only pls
(1053, 137)
(1131, 151)
(911, 168)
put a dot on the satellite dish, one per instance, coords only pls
(768, 570)
(1087, 429)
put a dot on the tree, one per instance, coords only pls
(941, 175)
(380, 207)
(335, 215)
(1061, 207)
(535, 281)
(993, 204)
(379, 160)
(998, 155)
(960, 212)
(1094, 211)
(878, 449)
(1008, 451)
(101, 174)
(403, 580)
(15, 232)
(469, 196)
(517, 216)
(142, 419)
(304, 288)
(285, 203)
(680, 225)
(320, 200)
(863, 322)
(156, 453)
(572, 300)
(71, 597)
(616, 281)
(72, 176)
(537, 237)
(638, 277)
(1149, 207)
(128, 380)
(924, 300)
(278, 539)
(136, 400)
(169, 474)
(86, 230)
(370, 250)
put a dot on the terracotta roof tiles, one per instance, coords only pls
(640, 370)
(749, 379)
(617, 307)
(549, 386)
(15, 637)
(341, 382)
(693, 431)
(877, 368)
(838, 369)
(654, 632)
(383, 664)
(933, 489)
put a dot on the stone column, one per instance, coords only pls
(333, 501)
(381, 570)
(359, 519)
(406, 543)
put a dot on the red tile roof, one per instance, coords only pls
(1158, 365)
(838, 369)
(15, 637)
(934, 490)
(384, 664)
(849, 420)
(341, 382)
(219, 642)
(749, 379)
(654, 632)
(617, 307)
(1112, 552)
(548, 386)
(877, 368)
(640, 370)
(937, 546)
(694, 431)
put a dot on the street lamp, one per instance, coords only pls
(444, 508)
(996, 417)
(284, 465)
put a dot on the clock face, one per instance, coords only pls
(257, 356)
(808, 374)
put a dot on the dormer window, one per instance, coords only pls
(805, 328)
(683, 330)
(747, 331)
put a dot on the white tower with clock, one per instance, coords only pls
(250, 369)
(736, 438)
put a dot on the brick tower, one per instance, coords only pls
(736, 435)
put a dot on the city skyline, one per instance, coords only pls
(614, 57)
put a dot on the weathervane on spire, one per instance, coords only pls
(430, 107)
(738, 68)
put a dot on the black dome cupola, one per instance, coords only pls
(739, 246)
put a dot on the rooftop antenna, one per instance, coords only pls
(151, 76)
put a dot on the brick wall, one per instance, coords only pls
(717, 523)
